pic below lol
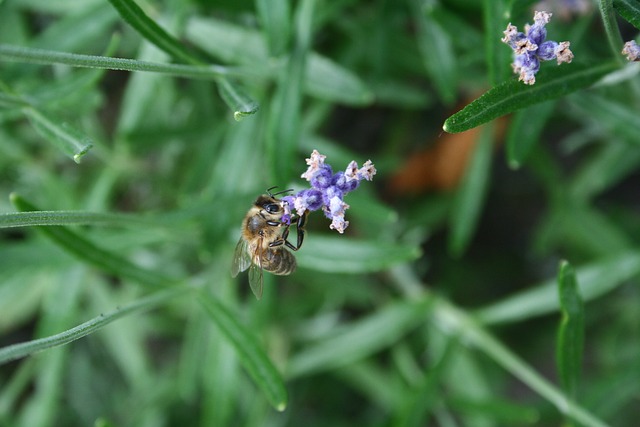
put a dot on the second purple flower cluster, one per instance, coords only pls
(532, 47)
(327, 190)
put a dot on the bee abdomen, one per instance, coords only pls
(280, 262)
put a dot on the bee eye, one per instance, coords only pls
(272, 207)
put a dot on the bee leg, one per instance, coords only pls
(278, 242)
(282, 240)
(300, 222)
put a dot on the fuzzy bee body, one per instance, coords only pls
(262, 243)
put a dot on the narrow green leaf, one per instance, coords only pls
(16, 351)
(340, 254)
(29, 219)
(328, 80)
(457, 323)
(362, 338)
(570, 341)
(468, 202)
(495, 16)
(609, 164)
(230, 43)
(554, 82)
(324, 78)
(135, 16)
(276, 22)
(78, 31)
(500, 411)
(629, 10)
(15, 386)
(283, 129)
(437, 52)
(611, 28)
(86, 250)
(49, 57)
(68, 139)
(525, 130)
(427, 393)
(593, 280)
(618, 118)
(381, 385)
(249, 351)
(237, 99)
(588, 230)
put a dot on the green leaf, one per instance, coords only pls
(588, 230)
(16, 351)
(283, 129)
(570, 341)
(78, 31)
(618, 118)
(324, 78)
(341, 254)
(457, 323)
(525, 130)
(629, 10)
(49, 57)
(611, 28)
(608, 165)
(468, 202)
(356, 341)
(437, 52)
(594, 280)
(68, 139)
(135, 16)
(250, 353)
(87, 251)
(237, 99)
(28, 219)
(425, 396)
(276, 21)
(497, 53)
(512, 95)
(328, 80)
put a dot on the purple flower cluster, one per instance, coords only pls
(531, 47)
(327, 190)
(632, 50)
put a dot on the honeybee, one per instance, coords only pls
(263, 240)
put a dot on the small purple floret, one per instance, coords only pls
(632, 50)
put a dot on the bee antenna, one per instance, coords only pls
(278, 193)
(269, 190)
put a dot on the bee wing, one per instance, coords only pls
(255, 271)
(256, 280)
(241, 258)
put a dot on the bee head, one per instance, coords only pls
(269, 204)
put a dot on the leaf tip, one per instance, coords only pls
(281, 406)
(564, 266)
(77, 157)
(14, 198)
(514, 164)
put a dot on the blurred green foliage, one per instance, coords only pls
(134, 136)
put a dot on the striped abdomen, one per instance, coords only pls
(278, 261)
